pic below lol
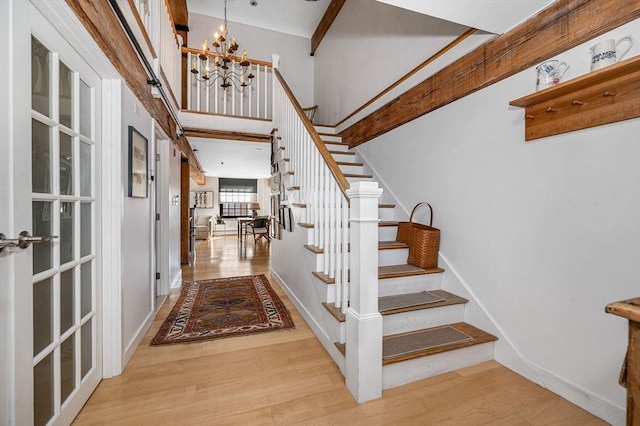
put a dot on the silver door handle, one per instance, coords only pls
(23, 241)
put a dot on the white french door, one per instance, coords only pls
(53, 295)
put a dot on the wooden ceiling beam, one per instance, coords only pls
(325, 23)
(556, 29)
(227, 135)
(102, 23)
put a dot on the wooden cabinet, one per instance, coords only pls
(605, 96)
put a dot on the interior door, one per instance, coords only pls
(54, 329)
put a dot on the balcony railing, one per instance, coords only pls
(255, 101)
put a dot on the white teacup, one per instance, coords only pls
(605, 53)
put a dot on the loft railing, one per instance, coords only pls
(255, 101)
(345, 227)
(154, 29)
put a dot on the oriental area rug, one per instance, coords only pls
(223, 307)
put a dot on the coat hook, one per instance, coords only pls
(550, 109)
(529, 116)
(607, 93)
(576, 102)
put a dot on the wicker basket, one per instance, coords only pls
(423, 240)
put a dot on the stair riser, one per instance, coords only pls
(423, 318)
(386, 214)
(387, 233)
(328, 138)
(335, 328)
(411, 284)
(316, 259)
(310, 240)
(353, 169)
(344, 158)
(392, 257)
(325, 292)
(325, 129)
(358, 179)
(401, 373)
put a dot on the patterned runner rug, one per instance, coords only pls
(224, 307)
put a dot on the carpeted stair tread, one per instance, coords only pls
(415, 344)
(336, 312)
(389, 305)
(391, 245)
(394, 271)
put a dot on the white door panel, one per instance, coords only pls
(50, 292)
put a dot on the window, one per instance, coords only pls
(236, 195)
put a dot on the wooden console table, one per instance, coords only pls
(630, 309)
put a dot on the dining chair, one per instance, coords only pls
(260, 228)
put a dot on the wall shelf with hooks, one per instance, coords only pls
(604, 96)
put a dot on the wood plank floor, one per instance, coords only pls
(285, 378)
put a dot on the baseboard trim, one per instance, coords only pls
(596, 405)
(135, 342)
(320, 334)
(177, 280)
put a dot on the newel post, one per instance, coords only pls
(364, 322)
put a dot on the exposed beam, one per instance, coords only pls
(325, 23)
(561, 26)
(227, 135)
(101, 22)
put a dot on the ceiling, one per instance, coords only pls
(296, 17)
(233, 159)
(226, 158)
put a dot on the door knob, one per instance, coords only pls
(23, 241)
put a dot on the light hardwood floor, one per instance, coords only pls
(285, 378)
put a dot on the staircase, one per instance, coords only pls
(384, 321)
(424, 333)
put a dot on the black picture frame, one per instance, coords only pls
(138, 164)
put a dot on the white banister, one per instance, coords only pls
(364, 322)
(345, 229)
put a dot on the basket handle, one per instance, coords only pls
(419, 205)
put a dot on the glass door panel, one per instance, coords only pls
(63, 204)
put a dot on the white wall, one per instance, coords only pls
(296, 65)
(136, 231)
(544, 233)
(175, 169)
(367, 49)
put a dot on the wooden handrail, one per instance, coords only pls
(213, 55)
(324, 152)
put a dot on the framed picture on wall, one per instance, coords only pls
(138, 164)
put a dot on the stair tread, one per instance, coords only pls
(324, 277)
(306, 225)
(387, 223)
(333, 142)
(342, 152)
(415, 344)
(301, 205)
(386, 206)
(314, 249)
(391, 245)
(395, 271)
(409, 302)
(348, 163)
(293, 188)
(336, 312)
(356, 175)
